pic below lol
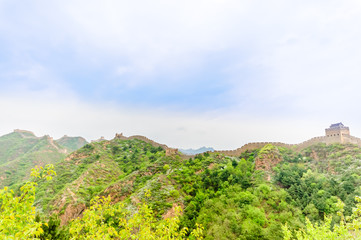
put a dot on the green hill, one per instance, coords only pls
(22, 150)
(15, 144)
(71, 143)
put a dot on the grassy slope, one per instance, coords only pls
(40, 152)
(14, 145)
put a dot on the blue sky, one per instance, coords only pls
(184, 73)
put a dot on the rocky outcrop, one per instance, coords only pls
(268, 157)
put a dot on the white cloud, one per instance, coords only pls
(293, 66)
(61, 115)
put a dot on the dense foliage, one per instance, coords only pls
(17, 213)
(104, 186)
(105, 221)
(320, 177)
(101, 221)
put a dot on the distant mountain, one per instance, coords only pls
(71, 143)
(21, 150)
(191, 151)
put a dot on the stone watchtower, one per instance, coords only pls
(337, 132)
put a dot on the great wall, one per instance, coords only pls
(336, 133)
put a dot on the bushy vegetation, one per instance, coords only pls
(17, 213)
(101, 221)
(315, 184)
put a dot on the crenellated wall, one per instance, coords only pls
(252, 146)
(312, 141)
(352, 139)
(298, 147)
(256, 145)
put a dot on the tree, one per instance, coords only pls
(17, 213)
(102, 220)
(106, 221)
(347, 228)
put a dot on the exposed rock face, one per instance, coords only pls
(172, 212)
(268, 157)
(72, 212)
(171, 151)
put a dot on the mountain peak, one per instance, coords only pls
(24, 133)
(191, 151)
(71, 143)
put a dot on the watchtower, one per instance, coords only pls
(337, 130)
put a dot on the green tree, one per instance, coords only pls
(17, 213)
(347, 228)
(106, 221)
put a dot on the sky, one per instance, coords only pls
(190, 73)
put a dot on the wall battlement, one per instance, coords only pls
(337, 133)
(297, 147)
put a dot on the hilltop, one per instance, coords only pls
(71, 143)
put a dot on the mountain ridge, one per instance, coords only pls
(21, 150)
(251, 194)
(191, 151)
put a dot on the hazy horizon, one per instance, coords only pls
(187, 74)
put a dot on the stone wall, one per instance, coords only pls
(297, 147)
(312, 141)
(252, 146)
(352, 139)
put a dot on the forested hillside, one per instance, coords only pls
(251, 196)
